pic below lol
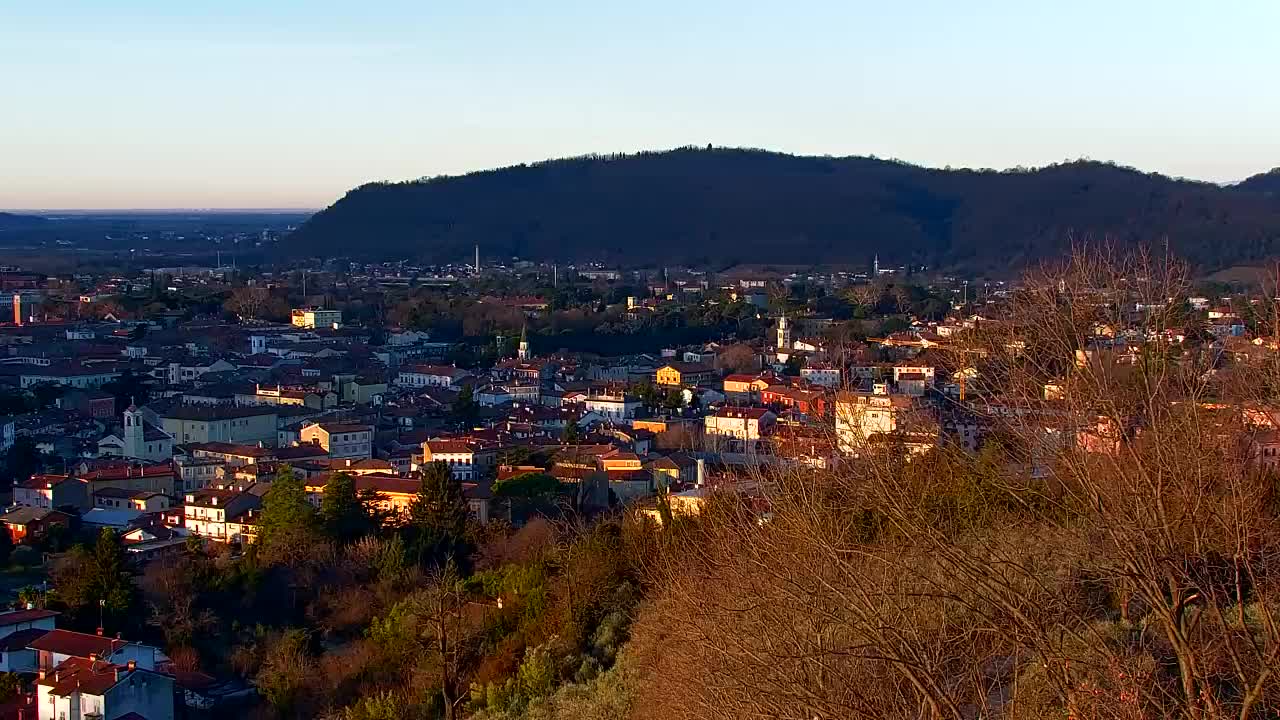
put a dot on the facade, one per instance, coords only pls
(683, 373)
(860, 415)
(196, 473)
(204, 423)
(51, 492)
(825, 375)
(746, 424)
(312, 318)
(417, 376)
(613, 406)
(466, 461)
(94, 688)
(207, 512)
(341, 440)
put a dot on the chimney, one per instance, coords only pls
(43, 673)
(93, 657)
(101, 631)
(133, 665)
(117, 673)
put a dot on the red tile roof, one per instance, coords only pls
(21, 616)
(80, 645)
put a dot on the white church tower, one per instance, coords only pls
(134, 433)
(784, 333)
(523, 352)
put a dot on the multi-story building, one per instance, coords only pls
(746, 425)
(341, 440)
(415, 376)
(859, 415)
(467, 461)
(207, 513)
(613, 406)
(683, 373)
(52, 491)
(312, 318)
(821, 374)
(191, 423)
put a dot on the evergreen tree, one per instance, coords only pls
(464, 407)
(288, 521)
(95, 584)
(438, 517)
(342, 514)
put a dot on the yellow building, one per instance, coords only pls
(312, 318)
(683, 373)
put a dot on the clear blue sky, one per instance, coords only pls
(254, 103)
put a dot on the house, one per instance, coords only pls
(363, 390)
(827, 376)
(31, 523)
(195, 473)
(59, 646)
(179, 373)
(744, 386)
(312, 318)
(139, 440)
(613, 405)
(859, 415)
(149, 502)
(96, 688)
(420, 376)
(207, 511)
(683, 373)
(229, 454)
(19, 628)
(466, 460)
(112, 498)
(808, 402)
(134, 476)
(52, 492)
(340, 440)
(745, 425)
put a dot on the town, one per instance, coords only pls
(162, 413)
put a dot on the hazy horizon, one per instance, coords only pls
(150, 105)
(306, 210)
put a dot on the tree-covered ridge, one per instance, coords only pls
(718, 206)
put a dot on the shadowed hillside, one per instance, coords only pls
(719, 206)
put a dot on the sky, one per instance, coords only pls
(262, 104)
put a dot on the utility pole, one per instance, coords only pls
(477, 258)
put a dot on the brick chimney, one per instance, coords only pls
(101, 631)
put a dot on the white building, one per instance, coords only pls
(739, 423)
(312, 318)
(613, 406)
(432, 376)
(138, 439)
(341, 440)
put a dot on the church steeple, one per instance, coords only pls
(523, 352)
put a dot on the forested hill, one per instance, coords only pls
(13, 221)
(720, 206)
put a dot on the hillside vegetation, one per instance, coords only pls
(721, 206)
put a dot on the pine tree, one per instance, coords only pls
(342, 514)
(439, 516)
(288, 521)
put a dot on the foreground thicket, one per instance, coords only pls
(1111, 552)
